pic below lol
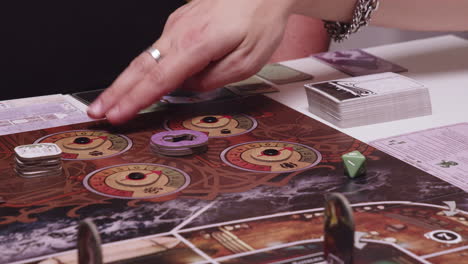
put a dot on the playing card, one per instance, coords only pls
(357, 62)
(366, 87)
(368, 99)
(192, 98)
(280, 74)
(87, 97)
(251, 86)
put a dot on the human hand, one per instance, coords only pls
(206, 44)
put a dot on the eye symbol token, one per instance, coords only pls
(444, 236)
(215, 126)
(82, 140)
(210, 119)
(88, 144)
(270, 152)
(271, 156)
(136, 181)
(136, 176)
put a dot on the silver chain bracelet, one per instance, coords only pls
(339, 31)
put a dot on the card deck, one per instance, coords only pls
(368, 99)
(357, 62)
(280, 74)
(251, 86)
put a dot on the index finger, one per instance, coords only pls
(168, 74)
(136, 71)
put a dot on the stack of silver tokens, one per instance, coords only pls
(38, 160)
(179, 142)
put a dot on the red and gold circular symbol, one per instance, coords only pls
(136, 181)
(88, 144)
(216, 126)
(271, 156)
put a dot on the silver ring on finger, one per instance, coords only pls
(155, 53)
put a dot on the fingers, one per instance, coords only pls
(126, 81)
(195, 42)
(139, 67)
(232, 68)
(162, 77)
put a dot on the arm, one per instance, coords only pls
(303, 36)
(434, 15)
(209, 43)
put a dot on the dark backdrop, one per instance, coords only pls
(49, 47)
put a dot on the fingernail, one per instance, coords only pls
(95, 109)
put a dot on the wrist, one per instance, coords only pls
(285, 7)
(333, 10)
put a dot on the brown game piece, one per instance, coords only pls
(89, 243)
(339, 230)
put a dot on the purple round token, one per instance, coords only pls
(179, 139)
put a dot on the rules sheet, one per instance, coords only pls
(442, 151)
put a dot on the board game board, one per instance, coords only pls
(256, 195)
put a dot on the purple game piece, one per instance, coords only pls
(179, 139)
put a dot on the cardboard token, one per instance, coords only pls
(38, 168)
(179, 138)
(39, 173)
(37, 151)
(179, 143)
(38, 162)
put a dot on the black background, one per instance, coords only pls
(49, 47)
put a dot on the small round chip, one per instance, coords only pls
(179, 142)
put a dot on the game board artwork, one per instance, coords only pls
(387, 232)
(88, 144)
(263, 159)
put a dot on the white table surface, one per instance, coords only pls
(440, 63)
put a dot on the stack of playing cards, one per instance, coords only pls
(368, 99)
(280, 74)
(267, 79)
(179, 143)
(251, 86)
(37, 160)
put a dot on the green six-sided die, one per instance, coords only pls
(354, 164)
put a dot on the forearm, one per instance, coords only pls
(303, 36)
(435, 15)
